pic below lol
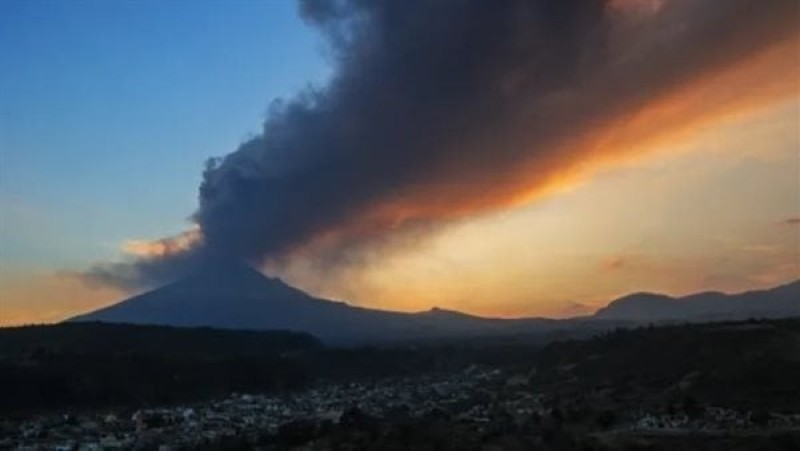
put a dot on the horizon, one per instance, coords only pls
(596, 309)
(398, 173)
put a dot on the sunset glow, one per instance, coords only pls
(590, 190)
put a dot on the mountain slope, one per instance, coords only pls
(239, 297)
(777, 302)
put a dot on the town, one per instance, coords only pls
(479, 398)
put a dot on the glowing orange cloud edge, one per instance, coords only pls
(165, 246)
(665, 122)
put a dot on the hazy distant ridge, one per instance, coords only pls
(777, 302)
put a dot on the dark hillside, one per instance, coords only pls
(91, 338)
(96, 365)
(753, 365)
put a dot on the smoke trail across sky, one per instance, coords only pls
(441, 110)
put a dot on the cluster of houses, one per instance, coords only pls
(715, 419)
(239, 415)
(475, 396)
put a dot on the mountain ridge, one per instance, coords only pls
(237, 296)
(779, 301)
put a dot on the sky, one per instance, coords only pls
(108, 112)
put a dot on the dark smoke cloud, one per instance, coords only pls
(442, 109)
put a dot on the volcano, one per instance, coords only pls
(236, 296)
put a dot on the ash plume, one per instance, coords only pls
(438, 110)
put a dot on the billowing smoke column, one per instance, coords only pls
(442, 109)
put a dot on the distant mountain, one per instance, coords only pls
(778, 302)
(236, 296)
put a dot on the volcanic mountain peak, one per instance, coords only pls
(231, 279)
(236, 296)
(230, 295)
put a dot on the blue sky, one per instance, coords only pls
(109, 109)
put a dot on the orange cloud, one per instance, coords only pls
(614, 263)
(165, 246)
(659, 124)
(719, 94)
(628, 264)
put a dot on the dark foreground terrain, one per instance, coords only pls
(94, 386)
